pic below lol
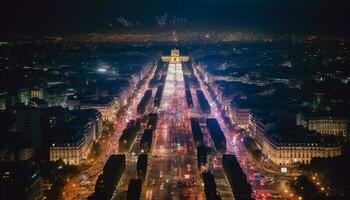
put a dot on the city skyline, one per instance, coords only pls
(174, 100)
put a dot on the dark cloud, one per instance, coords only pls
(56, 16)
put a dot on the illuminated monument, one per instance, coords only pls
(175, 57)
(174, 78)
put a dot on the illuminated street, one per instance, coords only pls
(263, 188)
(77, 188)
(173, 172)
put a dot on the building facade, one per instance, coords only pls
(286, 152)
(240, 115)
(37, 93)
(106, 107)
(327, 125)
(77, 145)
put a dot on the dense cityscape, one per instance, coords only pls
(175, 121)
(128, 100)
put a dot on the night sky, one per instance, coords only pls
(76, 16)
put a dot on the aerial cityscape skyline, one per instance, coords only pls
(174, 100)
